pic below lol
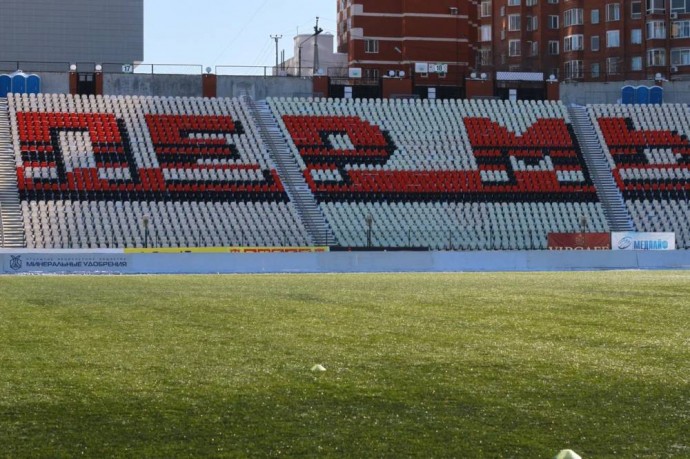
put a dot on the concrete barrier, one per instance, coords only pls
(118, 262)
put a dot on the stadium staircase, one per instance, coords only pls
(11, 229)
(291, 174)
(600, 171)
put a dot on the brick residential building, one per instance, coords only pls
(586, 40)
(387, 37)
(579, 40)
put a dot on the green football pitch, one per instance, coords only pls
(416, 365)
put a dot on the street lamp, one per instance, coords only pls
(370, 220)
(146, 231)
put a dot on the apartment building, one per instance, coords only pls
(578, 40)
(586, 40)
(427, 40)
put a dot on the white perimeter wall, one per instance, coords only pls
(116, 262)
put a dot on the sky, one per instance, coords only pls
(229, 32)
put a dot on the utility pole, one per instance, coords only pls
(276, 38)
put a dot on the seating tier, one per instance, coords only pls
(196, 168)
(648, 149)
(370, 157)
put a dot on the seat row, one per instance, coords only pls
(104, 224)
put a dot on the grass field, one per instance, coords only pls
(438, 365)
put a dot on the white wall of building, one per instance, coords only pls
(327, 57)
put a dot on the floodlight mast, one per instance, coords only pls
(317, 31)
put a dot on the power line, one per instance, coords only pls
(242, 29)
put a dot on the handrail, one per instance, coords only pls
(2, 228)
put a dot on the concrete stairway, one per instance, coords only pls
(291, 174)
(599, 170)
(11, 227)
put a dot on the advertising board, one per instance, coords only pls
(86, 263)
(579, 241)
(643, 241)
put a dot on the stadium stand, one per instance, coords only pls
(649, 153)
(467, 174)
(98, 172)
(127, 171)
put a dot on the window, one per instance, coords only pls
(680, 6)
(532, 23)
(503, 11)
(513, 22)
(534, 48)
(573, 43)
(635, 10)
(656, 57)
(485, 9)
(485, 33)
(596, 70)
(371, 74)
(613, 12)
(680, 56)
(514, 48)
(530, 2)
(513, 2)
(594, 42)
(371, 46)
(655, 6)
(636, 36)
(484, 56)
(636, 63)
(594, 16)
(573, 69)
(656, 30)
(553, 22)
(680, 29)
(573, 17)
(553, 47)
(613, 65)
(552, 2)
(613, 38)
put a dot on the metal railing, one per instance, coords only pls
(2, 228)
(163, 69)
(34, 66)
(266, 71)
(157, 239)
(464, 239)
